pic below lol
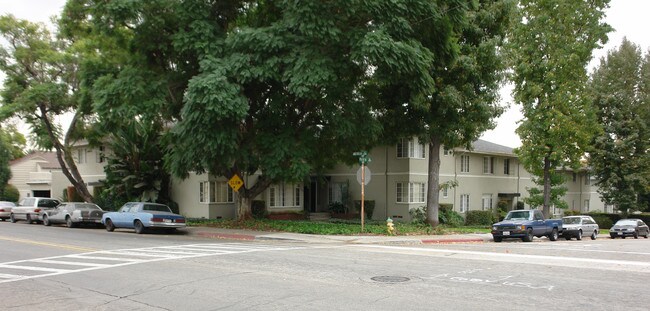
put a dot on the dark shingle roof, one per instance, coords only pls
(482, 146)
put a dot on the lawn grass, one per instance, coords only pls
(334, 227)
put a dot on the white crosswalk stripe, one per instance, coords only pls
(73, 263)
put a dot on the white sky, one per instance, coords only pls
(627, 17)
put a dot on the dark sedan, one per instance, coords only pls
(629, 227)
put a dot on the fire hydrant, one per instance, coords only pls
(390, 226)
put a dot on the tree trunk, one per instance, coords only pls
(247, 195)
(68, 167)
(433, 195)
(546, 210)
(244, 208)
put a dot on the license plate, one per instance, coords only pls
(167, 220)
(620, 233)
(506, 232)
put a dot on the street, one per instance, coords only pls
(56, 268)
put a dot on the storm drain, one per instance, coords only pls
(390, 279)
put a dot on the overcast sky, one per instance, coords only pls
(629, 18)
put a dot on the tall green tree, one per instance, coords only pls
(620, 159)
(558, 190)
(468, 71)
(42, 84)
(12, 144)
(551, 45)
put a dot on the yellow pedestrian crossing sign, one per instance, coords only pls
(235, 182)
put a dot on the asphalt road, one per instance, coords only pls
(56, 268)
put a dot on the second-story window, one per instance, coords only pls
(506, 166)
(488, 165)
(100, 155)
(81, 155)
(464, 164)
(410, 148)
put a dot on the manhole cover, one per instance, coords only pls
(390, 279)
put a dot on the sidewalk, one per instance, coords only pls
(249, 235)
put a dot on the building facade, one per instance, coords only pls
(481, 177)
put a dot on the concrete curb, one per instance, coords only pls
(226, 236)
(451, 241)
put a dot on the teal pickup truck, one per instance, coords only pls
(526, 224)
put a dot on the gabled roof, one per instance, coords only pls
(49, 158)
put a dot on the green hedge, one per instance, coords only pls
(479, 218)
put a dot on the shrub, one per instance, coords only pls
(10, 194)
(571, 213)
(479, 218)
(446, 216)
(418, 215)
(368, 207)
(603, 221)
(258, 208)
(337, 208)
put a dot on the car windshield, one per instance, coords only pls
(571, 220)
(626, 223)
(156, 208)
(518, 215)
(47, 203)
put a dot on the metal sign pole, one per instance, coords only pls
(363, 183)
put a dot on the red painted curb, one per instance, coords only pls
(447, 241)
(226, 236)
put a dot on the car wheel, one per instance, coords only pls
(636, 235)
(12, 218)
(579, 235)
(69, 222)
(594, 235)
(46, 220)
(554, 235)
(529, 236)
(28, 219)
(612, 237)
(109, 225)
(498, 239)
(139, 227)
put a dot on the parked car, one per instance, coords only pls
(5, 209)
(143, 215)
(30, 209)
(525, 224)
(73, 214)
(577, 226)
(629, 227)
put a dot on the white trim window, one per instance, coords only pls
(486, 201)
(586, 179)
(99, 155)
(464, 164)
(506, 166)
(410, 148)
(445, 192)
(464, 203)
(81, 155)
(285, 195)
(447, 152)
(215, 192)
(336, 191)
(412, 192)
(586, 206)
(488, 165)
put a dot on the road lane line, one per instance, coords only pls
(72, 263)
(32, 268)
(577, 262)
(83, 256)
(72, 247)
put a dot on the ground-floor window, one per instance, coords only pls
(486, 201)
(586, 205)
(338, 191)
(284, 195)
(413, 192)
(464, 203)
(215, 192)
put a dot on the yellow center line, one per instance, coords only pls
(72, 247)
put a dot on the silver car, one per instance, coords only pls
(578, 226)
(5, 209)
(73, 214)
